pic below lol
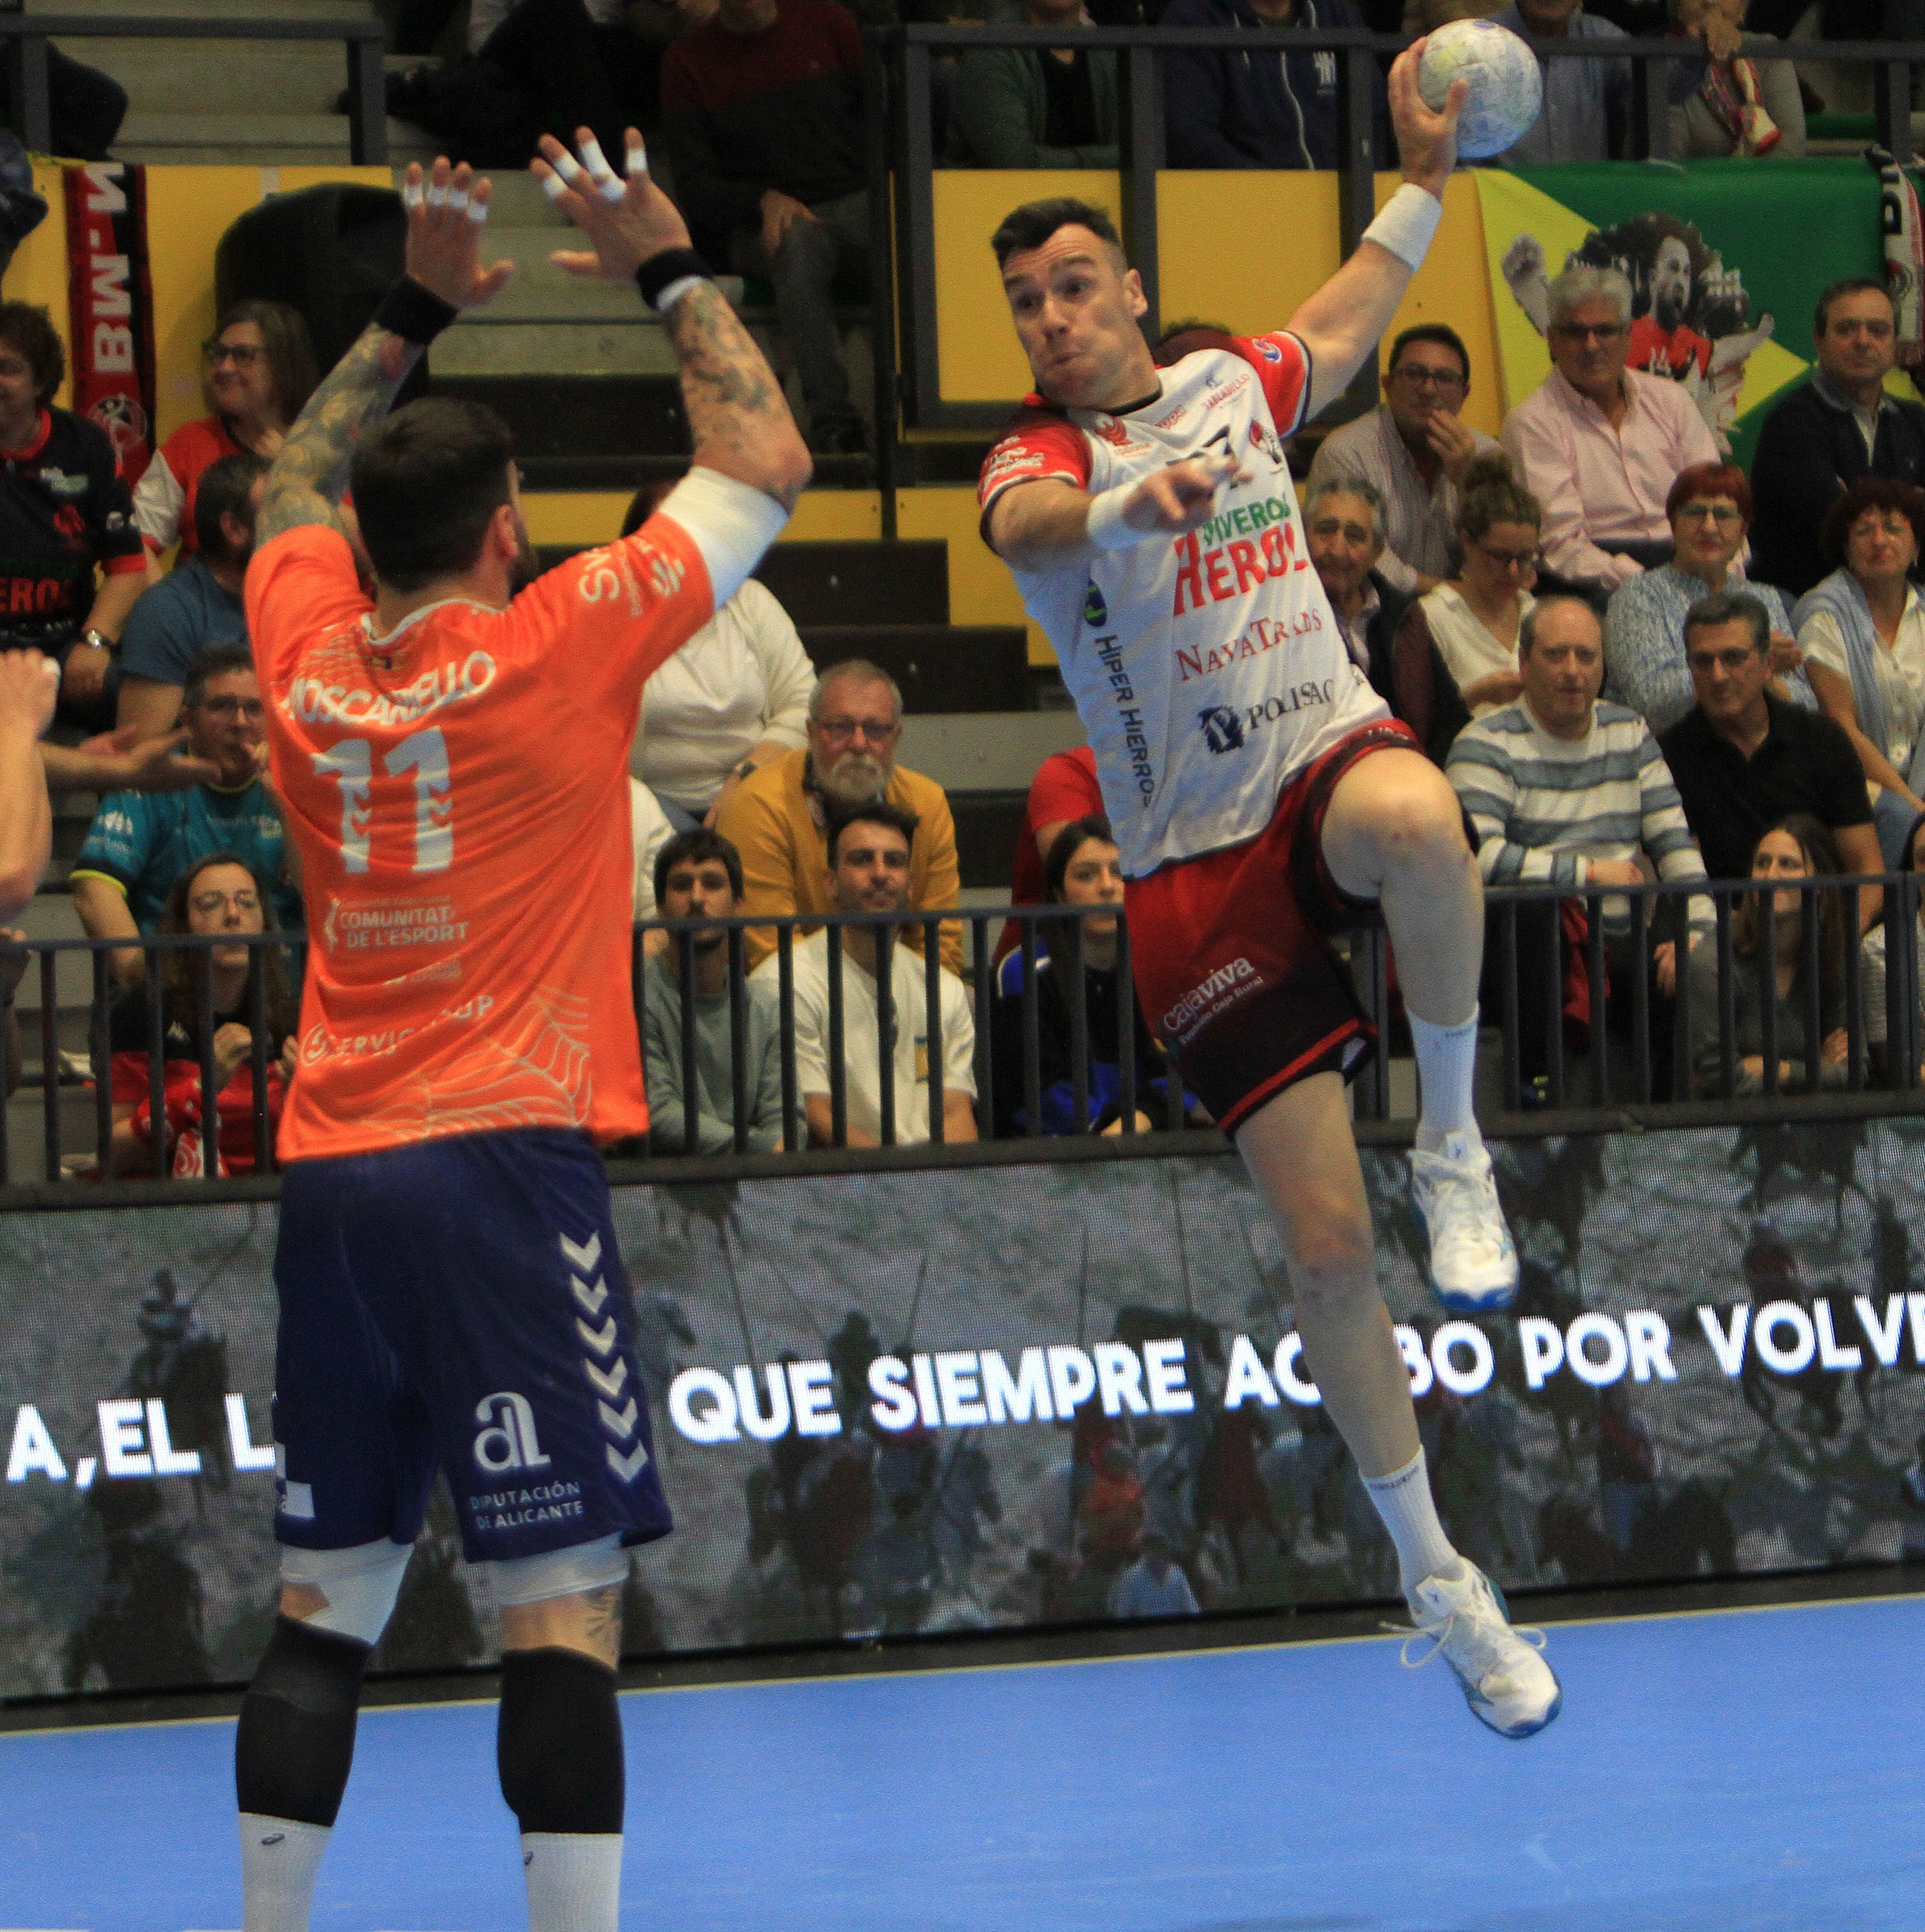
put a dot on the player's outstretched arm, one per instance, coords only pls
(1044, 525)
(445, 209)
(737, 415)
(1341, 323)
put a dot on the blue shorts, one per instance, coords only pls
(459, 1304)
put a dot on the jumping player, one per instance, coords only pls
(453, 760)
(1262, 797)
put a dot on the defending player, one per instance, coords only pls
(1263, 796)
(454, 763)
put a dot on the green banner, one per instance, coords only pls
(1726, 260)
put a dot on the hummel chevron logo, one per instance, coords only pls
(626, 1467)
(622, 1424)
(583, 1258)
(602, 1340)
(590, 1294)
(610, 1381)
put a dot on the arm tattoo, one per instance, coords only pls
(731, 395)
(310, 471)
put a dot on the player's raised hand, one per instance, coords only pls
(1181, 496)
(626, 220)
(1426, 136)
(445, 208)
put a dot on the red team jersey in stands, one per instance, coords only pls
(1208, 668)
(458, 793)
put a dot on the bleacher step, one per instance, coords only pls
(985, 750)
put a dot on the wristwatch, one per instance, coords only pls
(746, 768)
(97, 641)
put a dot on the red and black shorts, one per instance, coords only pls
(1232, 953)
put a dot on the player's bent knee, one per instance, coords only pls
(1331, 1251)
(518, 1581)
(558, 1749)
(360, 1586)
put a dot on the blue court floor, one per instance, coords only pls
(1754, 1771)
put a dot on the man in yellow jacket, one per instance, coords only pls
(777, 817)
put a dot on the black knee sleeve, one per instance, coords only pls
(296, 1742)
(560, 1747)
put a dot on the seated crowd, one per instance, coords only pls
(1578, 620)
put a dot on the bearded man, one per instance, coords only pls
(777, 818)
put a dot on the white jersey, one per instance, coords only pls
(1208, 668)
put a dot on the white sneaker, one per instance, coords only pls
(1506, 1683)
(1473, 1264)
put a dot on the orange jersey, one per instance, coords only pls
(458, 794)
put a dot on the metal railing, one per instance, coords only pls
(24, 39)
(899, 91)
(1648, 1058)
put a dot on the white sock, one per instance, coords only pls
(1404, 1501)
(1446, 1074)
(280, 1860)
(575, 1880)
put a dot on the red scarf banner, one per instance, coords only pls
(110, 307)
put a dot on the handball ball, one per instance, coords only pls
(1506, 88)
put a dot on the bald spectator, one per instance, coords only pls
(778, 816)
(1600, 444)
(1415, 448)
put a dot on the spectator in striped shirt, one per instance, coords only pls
(1564, 789)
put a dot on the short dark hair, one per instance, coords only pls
(28, 327)
(288, 348)
(1443, 335)
(226, 489)
(1030, 225)
(216, 661)
(427, 483)
(1727, 607)
(1870, 493)
(1845, 285)
(878, 811)
(692, 847)
(1064, 847)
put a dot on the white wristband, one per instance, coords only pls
(1408, 220)
(676, 290)
(1105, 527)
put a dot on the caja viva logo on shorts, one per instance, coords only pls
(509, 1441)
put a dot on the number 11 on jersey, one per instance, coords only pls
(350, 764)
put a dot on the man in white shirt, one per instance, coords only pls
(868, 871)
(1600, 444)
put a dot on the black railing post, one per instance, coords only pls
(1075, 989)
(882, 276)
(366, 102)
(1126, 1029)
(1767, 987)
(738, 945)
(257, 1057)
(887, 1021)
(1891, 106)
(932, 1000)
(793, 1136)
(1142, 161)
(692, 1099)
(1357, 186)
(50, 1061)
(838, 1070)
(33, 108)
(100, 1055)
(1641, 989)
(1032, 1036)
(985, 1002)
(916, 230)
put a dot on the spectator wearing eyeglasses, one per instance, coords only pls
(257, 372)
(141, 842)
(1454, 655)
(221, 897)
(1416, 449)
(1600, 444)
(71, 562)
(1709, 511)
(777, 818)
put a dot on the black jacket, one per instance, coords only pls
(1808, 451)
(1273, 106)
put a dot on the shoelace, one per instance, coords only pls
(1477, 1212)
(1527, 1633)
